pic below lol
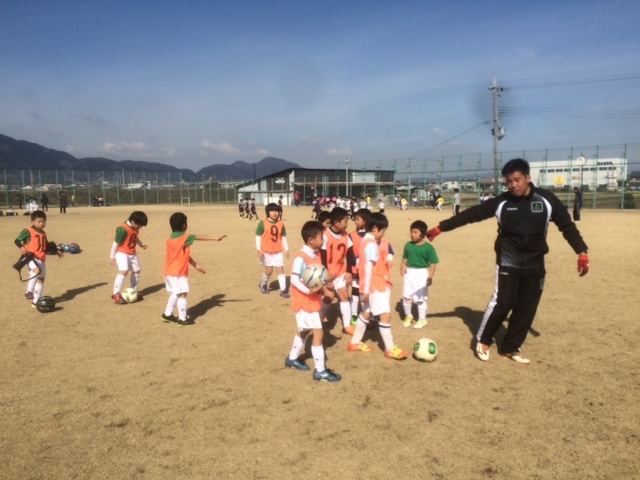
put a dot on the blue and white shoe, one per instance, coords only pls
(326, 376)
(285, 294)
(263, 288)
(297, 364)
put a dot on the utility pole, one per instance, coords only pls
(498, 134)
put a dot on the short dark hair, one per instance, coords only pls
(338, 214)
(516, 165)
(419, 225)
(140, 218)
(38, 214)
(363, 213)
(377, 220)
(323, 216)
(311, 229)
(271, 207)
(178, 222)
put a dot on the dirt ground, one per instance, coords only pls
(96, 390)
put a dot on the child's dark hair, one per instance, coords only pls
(421, 226)
(37, 214)
(338, 214)
(178, 222)
(323, 216)
(377, 220)
(363, 213)
(271, 207)
(311, 229)
(139, 218)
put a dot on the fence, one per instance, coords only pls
(607, 180)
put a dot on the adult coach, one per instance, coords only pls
(523, 215)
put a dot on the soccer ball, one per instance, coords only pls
(74, 248)
(315, 276)
(425, 350)
(129, 295)
(46, 304)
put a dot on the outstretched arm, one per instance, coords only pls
(214, 238)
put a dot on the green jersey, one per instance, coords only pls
(419, 256)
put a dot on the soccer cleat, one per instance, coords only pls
(285, 294)
(396, 353)
(263, 288)
(184, 323)
(28, 296)
(420, 324)
(349, 330)
(169, 318)
(117, 298)
(354, 320)
(408, 320)
(33, 305)
(516, 357)
(297, 364)
(326, 376)
(481, 353)
(359, 347)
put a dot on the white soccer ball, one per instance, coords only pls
(425, 350)
(129, 295)
(315, 276)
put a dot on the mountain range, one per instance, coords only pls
(21, 155)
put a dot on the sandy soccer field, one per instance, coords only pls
(97, 390)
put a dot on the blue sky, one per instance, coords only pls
(195, 83)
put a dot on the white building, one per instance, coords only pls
(601, 173)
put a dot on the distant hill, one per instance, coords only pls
(20, 155)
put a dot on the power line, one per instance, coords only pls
(628, 113)
(564, 83)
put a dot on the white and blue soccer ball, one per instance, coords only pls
(315, 276)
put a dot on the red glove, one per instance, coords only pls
(583, 264)
(434, 232)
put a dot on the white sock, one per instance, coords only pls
(282, 282)
(324, 307)
(385, 333)
(361, 327)
(37, 291)
(182, 308)
(318, 357)
(422, 311)
(355, 302)
(117, 285)
(171, 304)
(296, 349)
(265, 279)
(406, 306)
(32, 282)
(135, 280)
(345, 311)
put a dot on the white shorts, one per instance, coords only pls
(308, 320)
(414, 285)
(273, 260)
(176, 285)
(379, 303)
(340, 282)
(127, 263)
(40, 265)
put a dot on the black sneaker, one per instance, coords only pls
(285, 294)
(169, 318)
(184, 323)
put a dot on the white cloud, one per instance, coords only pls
(260, 151)
(438, 132)
(339, 152)
(224, 148)
(124, 148)
(69, 149)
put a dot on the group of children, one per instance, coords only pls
(360, 260)
(33, 241)
(247, 209)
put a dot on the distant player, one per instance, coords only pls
(33, 240)
(375, 290)
(306, 305)
(254, 212)
(176, 267)
(336, 246)
(240, 208)
(418, 267)
(247, 210)
(271, 243)
(124, 256)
